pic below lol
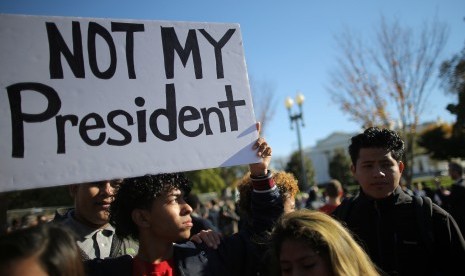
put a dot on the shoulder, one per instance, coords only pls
(129, 246)
(61, 214)
(441, 216)
(190, 251)
(195, 259)
(121, 265)
(458, 188)
(186, 246)
(342, 211)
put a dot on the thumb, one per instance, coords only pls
(258, 125)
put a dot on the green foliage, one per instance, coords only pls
(339, 167)
(452, 73)
(205, 181)
(294, 166)
(231, 175)
(437, 142)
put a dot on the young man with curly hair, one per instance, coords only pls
(152, 210)
(403, 235)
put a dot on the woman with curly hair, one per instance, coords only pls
(257, 242)
(287, 186)
(307, 242)
(286, 183)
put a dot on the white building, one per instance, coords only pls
(324, 149)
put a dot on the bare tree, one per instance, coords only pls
(263, 94)
(387, 81)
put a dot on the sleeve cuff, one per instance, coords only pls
(263, 183)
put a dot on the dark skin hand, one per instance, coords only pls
(212, 238)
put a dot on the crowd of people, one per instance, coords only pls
(153, 225)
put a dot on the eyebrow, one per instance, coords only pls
(175, 192)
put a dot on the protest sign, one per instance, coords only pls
(87, 99)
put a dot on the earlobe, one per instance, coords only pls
(352, 169)
(401, 166)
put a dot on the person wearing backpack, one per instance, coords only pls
(403, 235)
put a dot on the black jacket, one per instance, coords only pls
(457, 203)
(389, 231)
(189, 260)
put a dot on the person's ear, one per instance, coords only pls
(352, 169)
(140, 217)
(401, 166)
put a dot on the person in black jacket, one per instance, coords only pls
(152, 210)
(456, 200)
(399, 236)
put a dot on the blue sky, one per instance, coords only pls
(289, 44)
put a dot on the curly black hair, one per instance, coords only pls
(374, 137)
(139, 193)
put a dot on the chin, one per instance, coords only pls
(186, 234)
(380, 195)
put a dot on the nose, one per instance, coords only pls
(186, 208)
(107, 189)
(378, 172)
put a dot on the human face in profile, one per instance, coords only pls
(170, 218)
(298, 259)
(377, 172)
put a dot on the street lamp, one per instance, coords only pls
(295, 118)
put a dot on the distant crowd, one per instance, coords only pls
(155, 225)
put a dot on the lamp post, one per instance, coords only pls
(295, 118)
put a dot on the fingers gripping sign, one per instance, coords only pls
(264, 151)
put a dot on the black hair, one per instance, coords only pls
(333, 188)
(54, 245)
(456, 167)
(374, 137)
(139, 193)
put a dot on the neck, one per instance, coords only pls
(154, 250)
(88, 223)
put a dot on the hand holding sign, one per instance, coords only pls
(264, 151)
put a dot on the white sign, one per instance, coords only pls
(86, 99)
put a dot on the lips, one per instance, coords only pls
(188, 223)
(104, 204)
